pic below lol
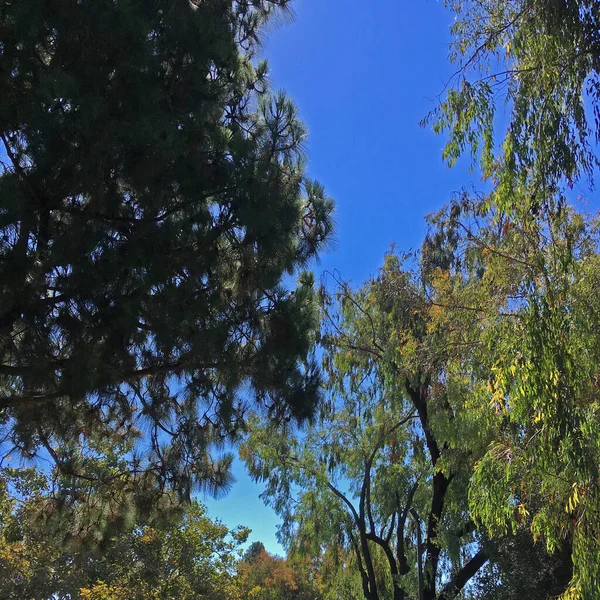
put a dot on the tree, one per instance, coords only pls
(26, 556)
(187, 557)
(255, 549)
(537, 255)
(262, 576)
(152, 199)
(193, 558)
(404, 431)
(521, 568)
(539, 60)
(395, 446)
(523, 296)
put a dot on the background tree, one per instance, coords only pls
(27, 551)
(152, 198)
(253, 551)
(262, 576)
(186, 557)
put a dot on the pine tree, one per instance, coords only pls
(153, 202)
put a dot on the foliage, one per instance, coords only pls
(529, 289)
(188, 557)
(152, 199)
(262, 576)
(523, 263)
(396, 434)
(26, 557)
(421, 414)
(520, 568)
(540, 60)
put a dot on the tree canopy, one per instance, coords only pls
(520, 302)
(539, 60)
(525, 260)
(189, 556)
(154, 213)
(262, 576)
(185, 556)
(153, 204)
(391, 457)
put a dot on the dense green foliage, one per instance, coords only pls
(526, 263)
(152, 200)
(262, 576)
(186, 557)
(153, 206)
(520, 302)
(521, 568)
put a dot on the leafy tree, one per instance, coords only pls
(523, 296)
(396, 436)
(407, 425)
(27, 554)
(520, 568)
(253, 551)
(152, 199)
(262, 576)
(195, 558)
(526, 262)
(539, 60)
(188, 557)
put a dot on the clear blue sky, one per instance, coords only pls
(363, 74)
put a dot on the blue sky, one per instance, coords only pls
(363, 74)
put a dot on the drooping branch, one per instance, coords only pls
(399, 592)
(365, 495)
(365, 577)
(390, 530)
(338, 493)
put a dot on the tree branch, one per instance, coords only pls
(31, 399)
(403, 562)
(460, 579)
